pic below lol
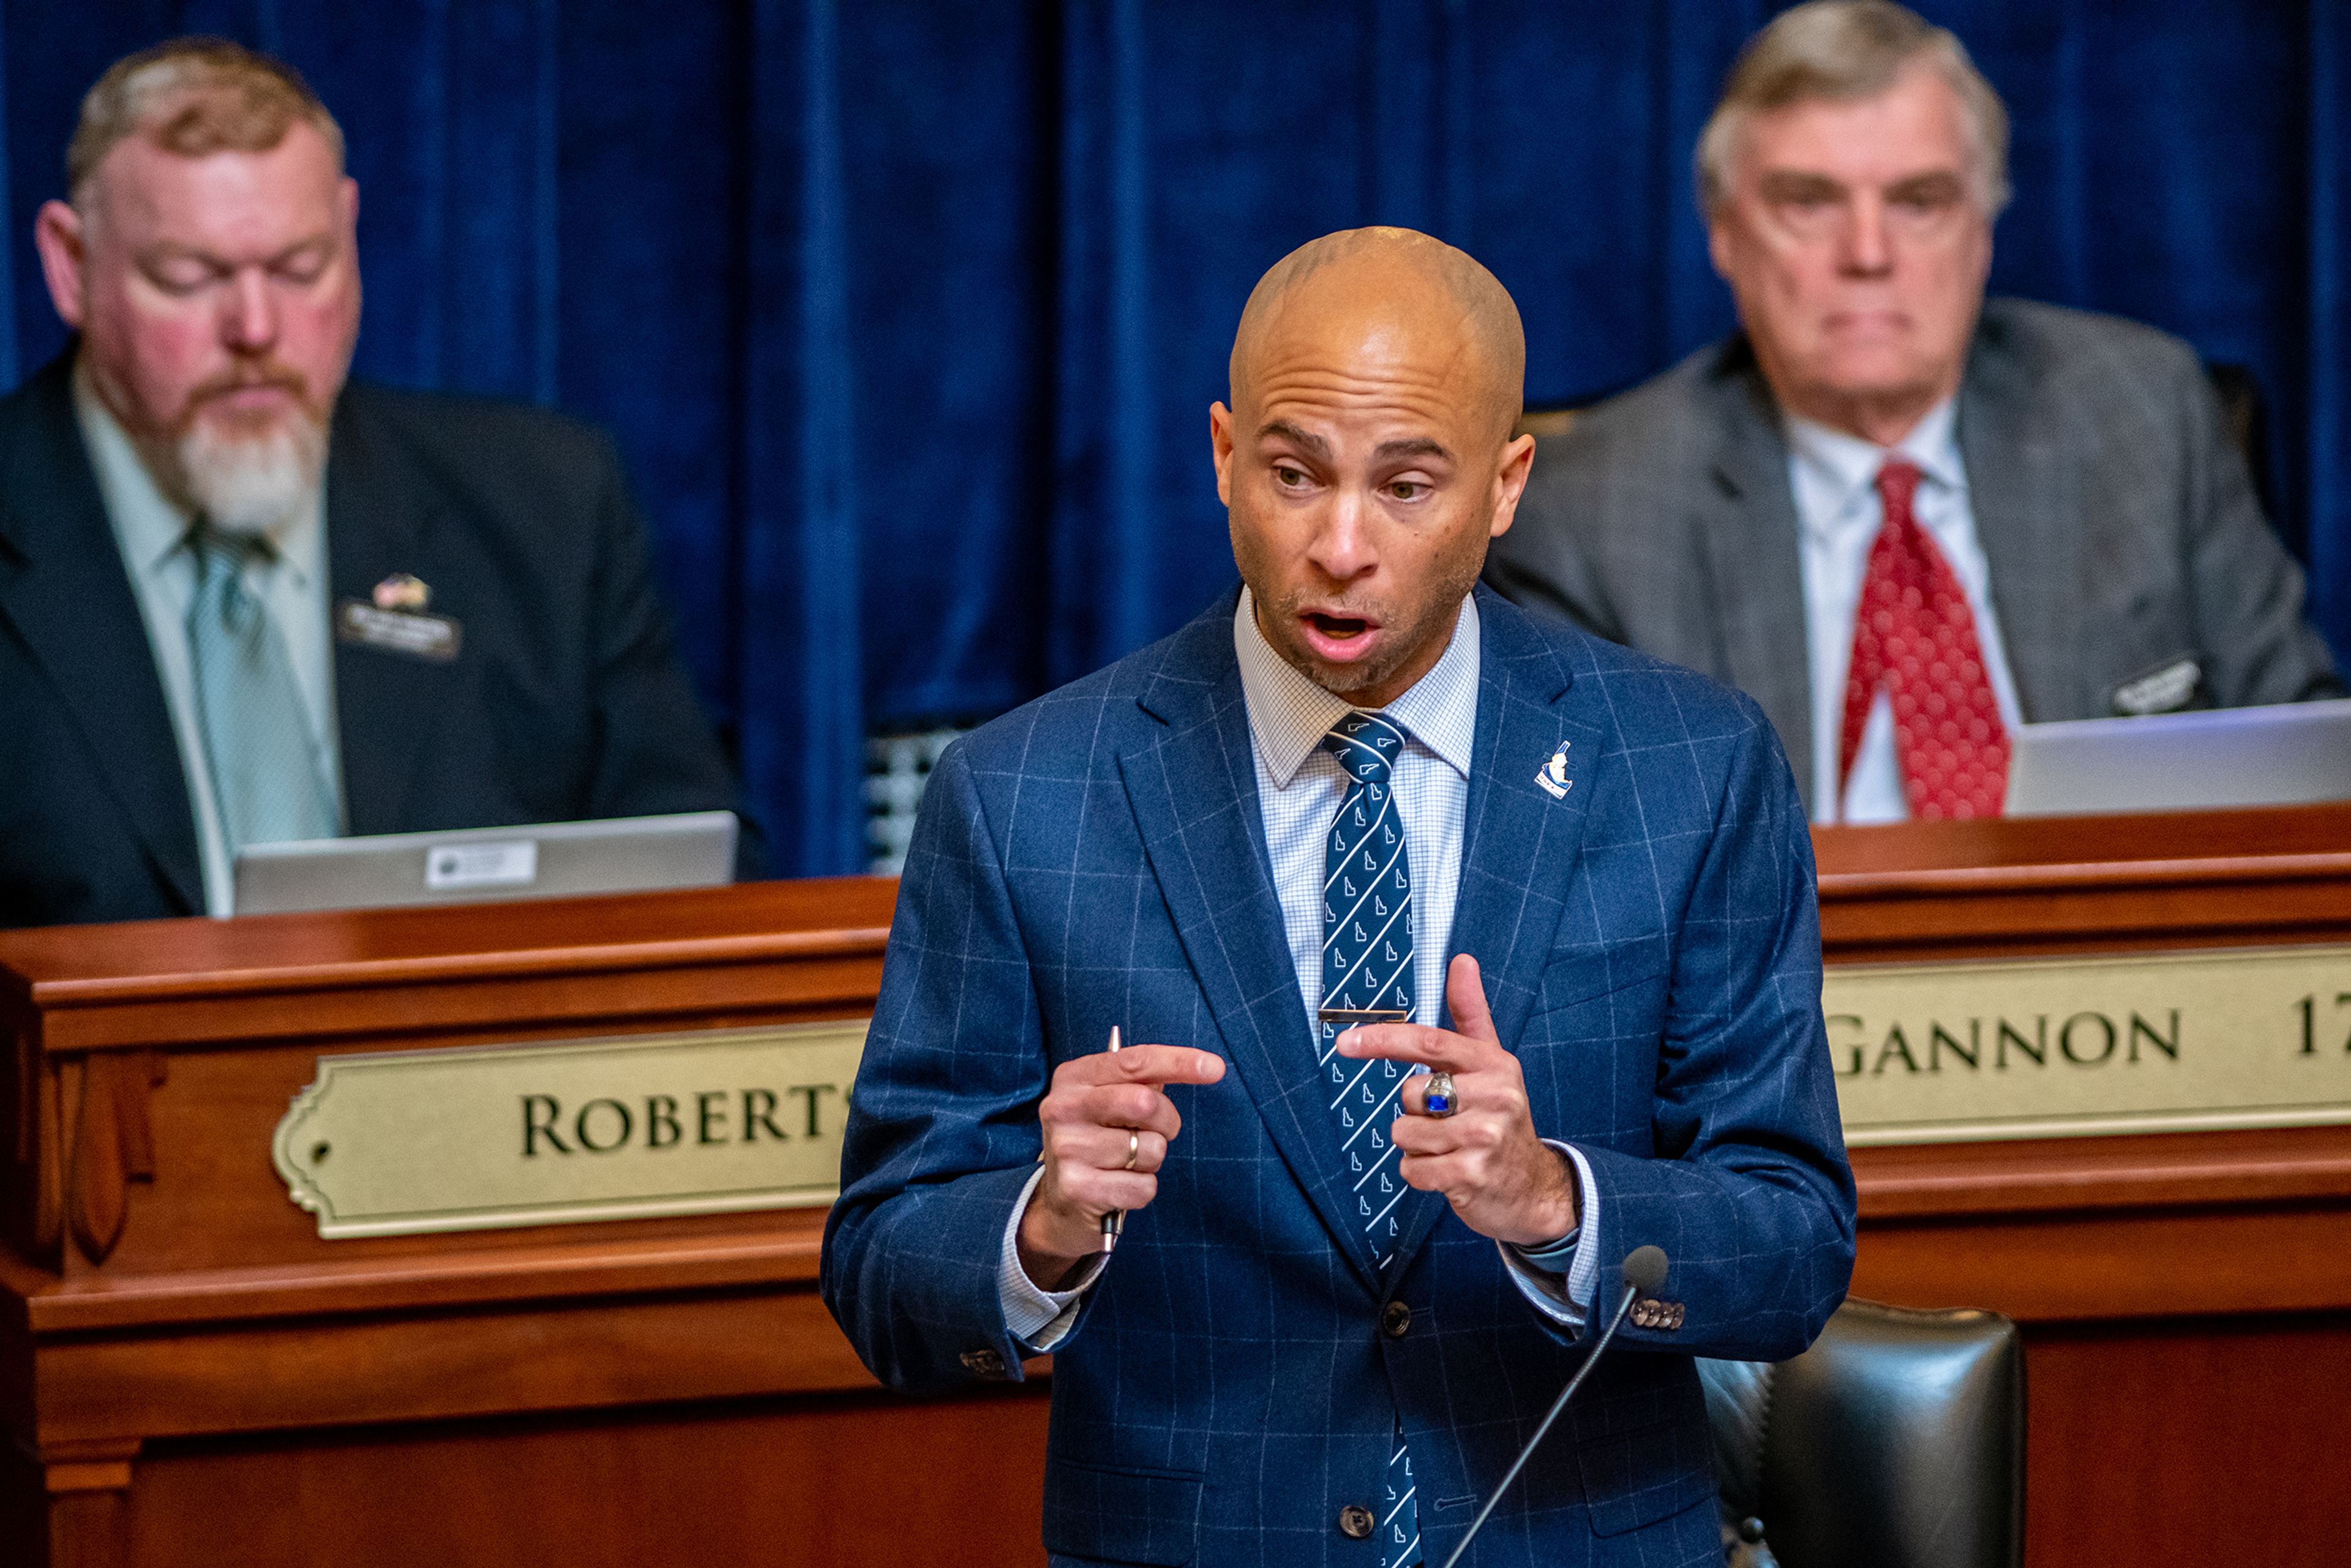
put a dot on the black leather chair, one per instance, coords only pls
(1896, 1441)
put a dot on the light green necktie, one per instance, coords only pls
(266, 777)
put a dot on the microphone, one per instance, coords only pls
(1644, 1270)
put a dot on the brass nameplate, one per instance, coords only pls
(2060, 1048)
(476, 1138)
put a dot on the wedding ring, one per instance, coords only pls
(1133, 1147)
(1440, 1099)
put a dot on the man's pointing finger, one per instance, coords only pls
(1465, 999)
(1147, 1064)
(1434, 1048)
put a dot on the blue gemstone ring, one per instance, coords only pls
(1440, 1099)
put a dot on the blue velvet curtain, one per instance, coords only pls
(908, 312)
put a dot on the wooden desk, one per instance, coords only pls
(2186, 1298)
(190, 1376)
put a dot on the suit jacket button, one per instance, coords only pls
(983, 1363)
(1394, 1318)
(1355, 1522)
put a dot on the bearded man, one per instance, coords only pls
(242, 602)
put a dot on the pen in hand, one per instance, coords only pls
(1115, 1220)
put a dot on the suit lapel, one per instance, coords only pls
(1754, 559)
(2017, 486)
(64, 587)
(380, 519)
(1193, 789)
(1508, 915)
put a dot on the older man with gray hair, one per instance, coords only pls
(1904, 519)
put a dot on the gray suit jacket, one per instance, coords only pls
(2120, 525)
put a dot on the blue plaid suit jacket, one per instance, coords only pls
(1651, 950)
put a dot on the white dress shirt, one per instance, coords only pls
(1299, 789)
(152, 532)
(1834, 476)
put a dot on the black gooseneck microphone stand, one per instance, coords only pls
(1644, 1270)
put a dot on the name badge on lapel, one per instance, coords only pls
(397, 621)
(2164, 689)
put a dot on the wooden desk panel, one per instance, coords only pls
(2198, 1440)
(2185, 1298)
(188, 1037)
(1916, 891)
(672, 1391)
(2186, 1304)
(178, 1335)
(867, 1480)
(216, 1197)
(2082, 1229)
(399, 1366)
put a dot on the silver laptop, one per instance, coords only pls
(2289, 755)
(553, 860)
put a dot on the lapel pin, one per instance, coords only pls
(1553, 774)
(403, 591)
(395, 618)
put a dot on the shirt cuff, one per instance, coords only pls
(1037, 1319)
(1558, 1278)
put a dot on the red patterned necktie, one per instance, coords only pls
(1914, 638)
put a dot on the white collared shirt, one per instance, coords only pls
(1299, 789)
(152, 532)
(1835, 478)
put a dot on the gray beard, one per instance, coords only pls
(252, 485)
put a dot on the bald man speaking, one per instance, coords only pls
(1456, 956)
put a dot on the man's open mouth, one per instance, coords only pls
(1334, 636)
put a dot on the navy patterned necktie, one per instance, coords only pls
(1367, 967)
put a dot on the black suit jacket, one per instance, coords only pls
(566, 699)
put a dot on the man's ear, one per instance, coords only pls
(1510, 483)
(57, 235)
(1718, 245)
(1221, 447)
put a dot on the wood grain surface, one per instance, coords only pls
(190, 1374)
(2186, 1298)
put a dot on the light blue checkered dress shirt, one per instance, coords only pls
(1299, 787)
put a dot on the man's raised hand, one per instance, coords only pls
(1095, 1104)
(1500, 1177)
